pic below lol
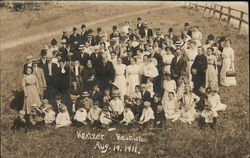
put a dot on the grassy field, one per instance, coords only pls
(229, 140)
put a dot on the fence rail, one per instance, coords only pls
(216, 8)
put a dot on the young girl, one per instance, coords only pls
(62, 118)
(211, 72)
(214, 102)
(80, 117)
(188, 112)
(128, 115)
(147, 117)
(94, 113)
(50, 115)
(169, 85)
(116, 106)
(171, 107)
(105, 118)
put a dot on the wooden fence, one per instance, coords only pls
(222, 11)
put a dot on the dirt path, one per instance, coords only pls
(22, 41)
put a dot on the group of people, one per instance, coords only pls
(133, 77)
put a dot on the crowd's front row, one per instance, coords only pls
(109, 111)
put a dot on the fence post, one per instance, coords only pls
(210, 8)
(214, 10)
(229, 15)
(205, 9)
(241, 18)
(221, 12)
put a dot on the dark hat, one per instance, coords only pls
(114, 27)
(186, 24)
(210, 37)
(43, 52)
(158, 33)
(170, 29)
(139, 18)
(74, 29)
(58, 97)
(83, 26)
(53, 42)
(61, 60)
(145, 24)
(99, 29)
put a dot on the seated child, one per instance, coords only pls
(75, 90)
(96, 93)
(214, 102)
(19, 122)
(128, 116)
(150, 87)
(155, 102)
(137, 93)
(106, 97)
(137, 108)
(105, 118)
(171, 107)
(180, 89)
(147, 117)
(62, 118)
(36, 120)
(116, 106)
(207, 116)
(94, 113)
(50, 115)
(159, 117)
(80, 117)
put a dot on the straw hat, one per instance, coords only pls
(29, 57)
(116, 93)
(147, 104)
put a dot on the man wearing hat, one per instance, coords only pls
(38, 72)
(115, 33)
(96, 56)
(99, 35)
(42, 63)
(159, 39)
(74, 39)
(171, 34)
(90, 39)
(65, 36)
(139, 23)
(63, 76)
(64, 50)
(81, 55)
(145, 32)
(83, 34)
(28, 64)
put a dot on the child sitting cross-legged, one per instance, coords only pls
(62, 118)
(128, 116)
(116, 106)
(94, 114)
(50, 115)
(159, 117)
(80, 118)
(147, 117)
(20, 122)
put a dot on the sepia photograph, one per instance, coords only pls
(124, 79)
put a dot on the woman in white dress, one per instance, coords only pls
(196, 36)
(191, 53)
(120, 80)
(214, 102)
(227, 65)
(133, 76)
(113, 58)
(211, 72)
(188, 112)
(171, 108)
(169, 85)
(167, 59)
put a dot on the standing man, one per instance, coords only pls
(40, 77)
(198, 70)
(74, 39)
(81, 55)
(105, 72)
(83, 36)
(178, 65)
(145, 32)
(42, 63)
(95, 57)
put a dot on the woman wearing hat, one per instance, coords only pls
(227, 65)
(31, 91)
(52, 48)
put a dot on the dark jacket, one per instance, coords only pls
(142, 32)
(179, 67)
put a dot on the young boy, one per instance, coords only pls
(94, 114)
(50, 115)
(20, 122)
(96, 93)
(147, 117)
(159, 117)
(62, 118)
(128, 115)
(35, 121)
(116, 106)
(80, 118)
(105, 118)
(137, 108)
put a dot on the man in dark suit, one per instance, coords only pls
(145, 32)
(159, 39)
(83, 35)
(91, 39)
(171, 34)
(115, 33)
(178, 65)
(126, 60)
(95, 57)
(99, 35)
(64, 50)
(198, 70)
(82, 56)
(43, 60)
(144, 93)
(74, 39)
(65, 36)
(28, 64)
(63, 76)
(105, 72)
(139, 25)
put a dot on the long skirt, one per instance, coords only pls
(224, 80)
(120, 82)
(32, 98)
(133, 80)
(211, 76)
